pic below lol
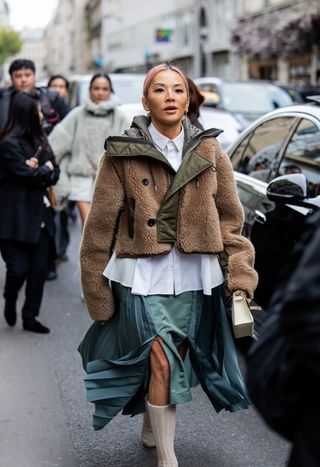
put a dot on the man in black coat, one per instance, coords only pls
(284, 364)
(23, 77)
(300, 324)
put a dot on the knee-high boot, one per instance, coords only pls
(163, 424)
(146, 431)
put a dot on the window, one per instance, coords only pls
(303, 154)
(258, 154)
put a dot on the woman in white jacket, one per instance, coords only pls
(78, 141)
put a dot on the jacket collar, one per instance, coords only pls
(161, 141)
(138, 142)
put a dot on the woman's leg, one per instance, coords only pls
(160, 375)
(158, 389)
(162, 414)
(15, 255)
(38, 264)
(83, 207)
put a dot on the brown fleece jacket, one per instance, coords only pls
(133, 201)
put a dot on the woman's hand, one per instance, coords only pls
(32, 162)
(242, 292)
(50, 165)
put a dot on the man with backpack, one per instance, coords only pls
(23, 78)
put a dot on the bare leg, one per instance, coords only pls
(162, 414)
(83, 207)
(160, 375)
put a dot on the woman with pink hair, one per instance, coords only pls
(164, 209)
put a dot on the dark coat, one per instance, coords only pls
(283, 366)
(53, 107)
(22, 188)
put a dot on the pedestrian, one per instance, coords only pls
(164, 207)
(60, 84)
(78, 140)
(54, 109)
(283, 365)
(196, 100)
(23, 78)
(27, 169)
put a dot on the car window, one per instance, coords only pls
(253, 98)
(303, 154)
(208, 87)
(258, 153)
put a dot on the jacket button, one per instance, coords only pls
(145, 182)
(151, 222)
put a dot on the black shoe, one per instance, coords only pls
(36, 326)
(51, 276)
(62, 258)
(10, 313)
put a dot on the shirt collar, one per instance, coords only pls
(161, 141)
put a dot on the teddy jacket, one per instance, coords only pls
(142, 207)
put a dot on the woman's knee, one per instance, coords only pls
(160, 368)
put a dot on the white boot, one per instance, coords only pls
(146, 431)
(163, 424)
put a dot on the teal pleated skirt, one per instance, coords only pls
(115, 355)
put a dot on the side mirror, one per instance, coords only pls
(288, 188)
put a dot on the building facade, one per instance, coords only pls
(4, 14)
(66, 39)
(263, 39)
(279, 39)
(192, 33)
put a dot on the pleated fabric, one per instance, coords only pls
(115, 355)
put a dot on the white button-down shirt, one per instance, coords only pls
(175, 272)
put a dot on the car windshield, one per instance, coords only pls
(253, 97)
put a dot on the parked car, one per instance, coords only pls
(292, 90)
(284, 142)
(128, 88)
(246, 100)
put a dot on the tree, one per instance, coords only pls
(10, 44)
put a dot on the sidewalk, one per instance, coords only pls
(33, 430)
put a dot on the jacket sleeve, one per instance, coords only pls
(240, 274)
(98, 239)
(54, 175)
(14, 162)
(61, 137)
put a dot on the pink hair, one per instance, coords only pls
(155, 70)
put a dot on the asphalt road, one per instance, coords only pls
(46, 422)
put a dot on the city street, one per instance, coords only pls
(45, 420)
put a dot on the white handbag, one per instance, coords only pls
(242, 320)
